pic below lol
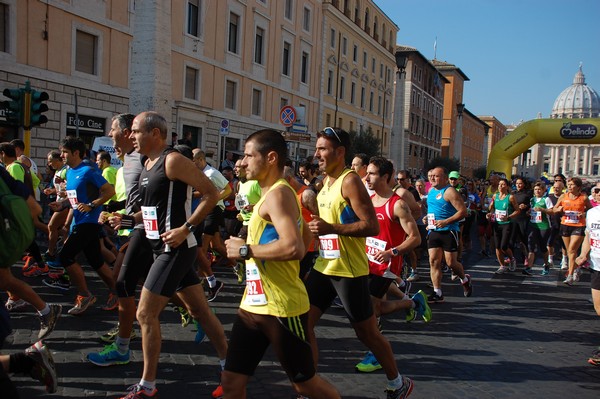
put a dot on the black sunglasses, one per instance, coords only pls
(330, 132)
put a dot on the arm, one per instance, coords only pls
(515, 206)
(355, 193)
(456, 200)
(106, 192)
(413, 237)
(585, 250)
(309, 200)
(224, 194)
(279, 207)
(409, 199)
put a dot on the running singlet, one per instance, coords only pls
(571, 210)
(502, 208)
(272, 287)
(538, 219)
(248, 193)
(166, 204)
(440, 209)
(341, 256)
(83, 184)
(390, 235)
(593, 229)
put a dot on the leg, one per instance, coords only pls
(316, 388)
(8, 282)
(234, 384)
(314, 315)
(454, 264)
(435, 265)
(368, 333)
(149, 309)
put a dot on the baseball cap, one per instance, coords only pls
(454, 175)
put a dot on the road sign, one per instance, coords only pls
(287, 115)
(299, 128)
(224, 127)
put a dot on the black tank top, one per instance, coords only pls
(166, 204)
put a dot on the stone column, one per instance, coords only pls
(586, 160)
(565, 162)
(576, 161)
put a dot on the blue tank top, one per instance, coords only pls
(441, 208)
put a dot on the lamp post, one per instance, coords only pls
(458, 137)
(398, 144)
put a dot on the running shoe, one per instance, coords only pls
(594, 360)
(47, 322)
(200, 333)
(563, 264)
(414, 276)
(527, 271)
(421, 306)
(569, 280)
(56, 273)
(240, 271)
(526, 263)
(111, 335)
(368, 364)
(185, 316)
(435, 298)
(34, 271)
(467, 286)
(576, 274)
(403, 392)
(513, 264)
(28, 263)
(55, 264)
(218, 392)
(112, 303)
(546, 269)
(411, 315)
(43, 370)
(501, 270)
(214, 291)
(453, 276)
(81, 304)
(138, 392)
(337, 303)
(15, 303)
(109, 356)
(62, 283)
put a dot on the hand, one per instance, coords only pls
(233, 245)
(175, 237)
(81, 207)
(383, 256)
(318, 226)
(580, 260)
(114, 220)
(49, 191)
(441, 223)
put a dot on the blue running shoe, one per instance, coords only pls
(421, 306)
(200, 333)
(368, 364)
(109, 356)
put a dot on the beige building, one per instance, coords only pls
(219, 69)
(496, 130)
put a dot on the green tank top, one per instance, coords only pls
(538, 219)
(502, 206)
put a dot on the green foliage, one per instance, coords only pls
(480, 172)
(449, 163)
(365, 142)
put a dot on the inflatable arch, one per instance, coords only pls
(545, 131)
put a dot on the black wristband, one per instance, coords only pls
(127, 222)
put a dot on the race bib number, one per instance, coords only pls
(595, 242)
(571, 217)
(255, 295)
(241, 201)
(150, 217)
(329, 246)
(501, 216)
(373, 246)
(431, 221)
(536, 217)
(72, 196)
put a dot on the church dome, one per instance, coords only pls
(577, 100)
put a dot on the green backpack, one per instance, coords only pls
(16, 226)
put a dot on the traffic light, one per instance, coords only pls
(13, 108)
(38, 108)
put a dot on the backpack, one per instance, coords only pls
(16, 226)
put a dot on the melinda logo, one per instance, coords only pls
(572, 131)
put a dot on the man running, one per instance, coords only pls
(346, 218)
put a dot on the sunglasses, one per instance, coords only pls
(330, 132)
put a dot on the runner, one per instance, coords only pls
(502, 209)
(539, 226)
(346, 218)
(274, 308)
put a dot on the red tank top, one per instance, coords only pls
(305, 215)
(391, 234)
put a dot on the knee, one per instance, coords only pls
(143, 316)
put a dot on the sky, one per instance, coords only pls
(519, 55)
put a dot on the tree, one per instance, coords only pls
(480, 172)
(363, 142)
(449, 164)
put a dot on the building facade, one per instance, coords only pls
(496, 130)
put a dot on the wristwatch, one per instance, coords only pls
(395, 251)
(245, 252)
(191, 228)
(91, 205)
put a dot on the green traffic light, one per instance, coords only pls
(13, 107)
(38, 107)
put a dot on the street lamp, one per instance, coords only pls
(460, 107)
(398, 137)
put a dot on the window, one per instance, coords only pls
(256, 102)
(193, 18)
(304, 68)
(332, 38)
(373, 65)
(191, 83)
(352, 93)
(595, 169)
(287, 10)
(232, 45)
(379, 105)
(306, 20)
(284, 101)
(4, 28)
(371, 102)
(362, 97)
(381, 71)
(342, 87)
(365, 57)
(355, 53)
(230, 94)
(258, 45)
(328, 120)
(285, 65)
(330, 82)
(85, 52)
(344, 45)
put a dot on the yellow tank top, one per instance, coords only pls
(340, 255)
(278, 291)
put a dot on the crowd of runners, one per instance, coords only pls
(331, 235)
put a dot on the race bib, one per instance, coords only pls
(595, 243)
(72, 196)
(431, 221)
(329, 246)
(536, 217)
(373, 246)
(571, 217)
(241, 201)
(255, 295)
(500, 215)
(150, 217)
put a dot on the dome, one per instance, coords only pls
(577, 100)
